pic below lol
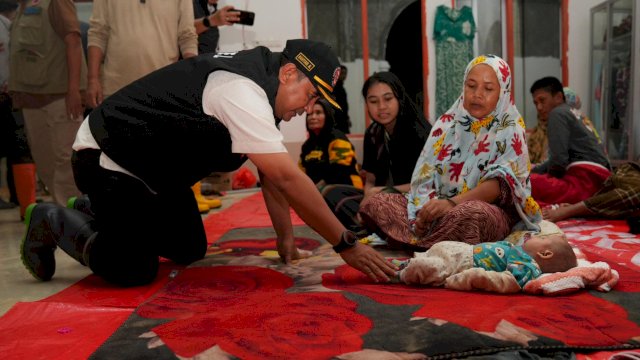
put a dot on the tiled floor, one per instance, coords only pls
(16, 284)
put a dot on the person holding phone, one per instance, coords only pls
(118, 39)
(207, 20)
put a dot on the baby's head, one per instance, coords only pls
(552, 252)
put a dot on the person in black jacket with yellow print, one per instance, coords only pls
(328, 157)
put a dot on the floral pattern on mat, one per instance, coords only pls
(245, 304)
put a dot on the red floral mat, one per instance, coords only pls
(75, 321)
(241, 302)
(248, 212)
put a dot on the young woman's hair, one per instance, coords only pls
(394, 83)
(410, 132)
(408, 112)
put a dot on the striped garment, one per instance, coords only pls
(619, 196)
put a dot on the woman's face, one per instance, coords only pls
(315, 119)
(481, 91)
(382, 104)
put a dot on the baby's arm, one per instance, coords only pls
(480, 279)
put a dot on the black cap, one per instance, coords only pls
(316, 60)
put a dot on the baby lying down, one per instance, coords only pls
(494, 266)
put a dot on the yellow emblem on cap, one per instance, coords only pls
(322, 82)
(329, 99)
(304, 61)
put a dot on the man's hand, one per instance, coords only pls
(94, 93)
(288, 251)
(225, 16)
(370, 262)
(73, 101)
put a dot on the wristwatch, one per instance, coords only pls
(205, 21)
(347, 241)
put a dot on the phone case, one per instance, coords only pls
(246, 17)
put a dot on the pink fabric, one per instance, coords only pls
(587, 275)
(580, 182)
(598, 276)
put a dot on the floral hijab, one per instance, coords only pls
(463, 151)
(573, 100)
(537, 143)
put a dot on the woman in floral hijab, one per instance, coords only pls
(471, 182)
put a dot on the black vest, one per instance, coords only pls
(156, 129)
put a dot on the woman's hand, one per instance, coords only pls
(430, 212)
(369, 192)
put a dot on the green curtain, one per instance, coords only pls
(453, 32)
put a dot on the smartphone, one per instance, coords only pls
(246, 17)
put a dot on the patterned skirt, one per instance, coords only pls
(471, 222)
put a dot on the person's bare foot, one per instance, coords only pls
(563, 211)
(555, 213)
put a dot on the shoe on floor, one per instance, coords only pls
(38, 244)
(6, 205)
(213, 203)
(203, 208)
(80, 203)
(204, 204)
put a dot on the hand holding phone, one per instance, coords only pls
(245, 17)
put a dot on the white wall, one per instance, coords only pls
(534, 69)
(579, 52)
(276, 21)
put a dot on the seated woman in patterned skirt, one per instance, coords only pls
(471, 182)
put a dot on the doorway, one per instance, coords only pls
(536, 49)
(404, 51)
